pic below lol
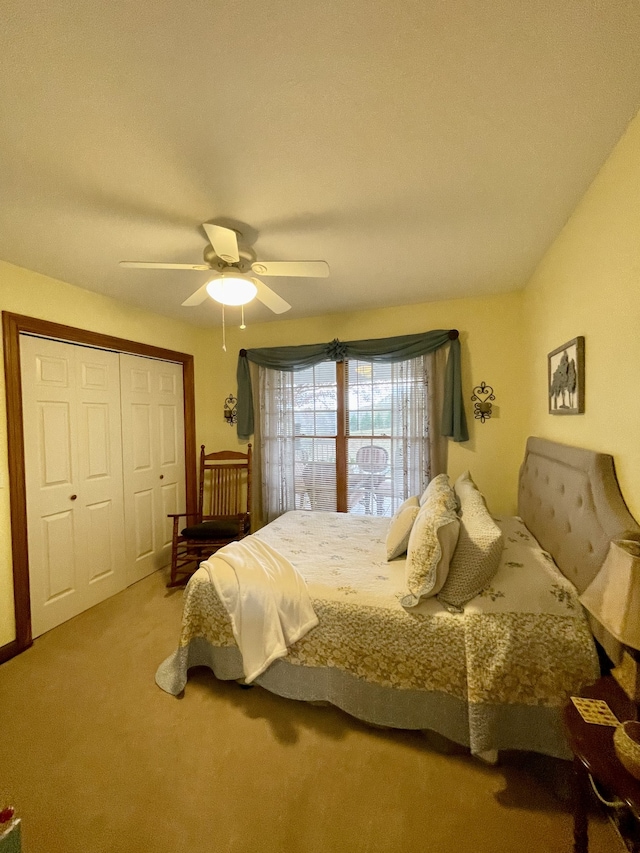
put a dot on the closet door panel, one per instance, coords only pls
(141, 437)
(57, 563)
(153, 430)
(100, 483)
(139, 461)
(168, 417)
(143, 522)
(100, 533)
(170, 502)
(73, 464)
(171, 421)
(170, 396)
(55, 440)
(51, 464)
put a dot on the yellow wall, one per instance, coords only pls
(491, 338)
(25, 292)
(589, 284)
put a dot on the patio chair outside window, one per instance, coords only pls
(373, 465)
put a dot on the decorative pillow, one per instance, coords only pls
(464, 484)
(400, 527)
(431, 544)
(477, 554)
(439, 483)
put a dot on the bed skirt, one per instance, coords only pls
(481, 728)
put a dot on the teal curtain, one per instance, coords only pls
(400, 348)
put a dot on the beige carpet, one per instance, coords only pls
(96, 758)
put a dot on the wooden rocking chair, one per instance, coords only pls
(223, 516)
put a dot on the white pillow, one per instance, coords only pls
(431, 543)
(477, 554)
(400, 527)
(438, 483)
(464, 485)
(414, 500)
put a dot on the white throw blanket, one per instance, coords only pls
(266, 599)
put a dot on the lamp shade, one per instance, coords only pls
(231, 289)
(613, 596)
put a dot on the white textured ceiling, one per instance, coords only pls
(426, 149)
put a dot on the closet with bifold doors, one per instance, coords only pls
(104, 466)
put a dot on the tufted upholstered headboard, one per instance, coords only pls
(570, 500)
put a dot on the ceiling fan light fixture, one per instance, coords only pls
(229, 264)
(231, 289)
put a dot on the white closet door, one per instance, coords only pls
(73, 466)
(153, 455)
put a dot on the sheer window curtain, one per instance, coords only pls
(417, 451)
(417, 442)
(436, 371)
(277, 442)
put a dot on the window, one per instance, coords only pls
(348, 436)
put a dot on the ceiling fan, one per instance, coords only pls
(232, 265)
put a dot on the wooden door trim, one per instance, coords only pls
(13, 325)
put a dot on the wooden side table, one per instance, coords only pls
(594, 755)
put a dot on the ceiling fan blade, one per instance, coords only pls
(196, 298)
(153, 266)
(224, 241)
(306, 269)
(270, 298)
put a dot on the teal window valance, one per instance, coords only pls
(399, 348)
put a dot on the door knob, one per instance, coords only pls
(73, 497)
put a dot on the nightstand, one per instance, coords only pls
(594, 755)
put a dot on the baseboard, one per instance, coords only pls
(10, 650)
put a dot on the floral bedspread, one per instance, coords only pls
(523, 640)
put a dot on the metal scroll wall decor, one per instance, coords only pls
(231, 410)
(482, 398)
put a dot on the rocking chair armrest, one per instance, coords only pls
(183, 515)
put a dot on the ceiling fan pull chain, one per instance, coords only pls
(242, 324)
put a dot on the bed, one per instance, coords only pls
(492, 677)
